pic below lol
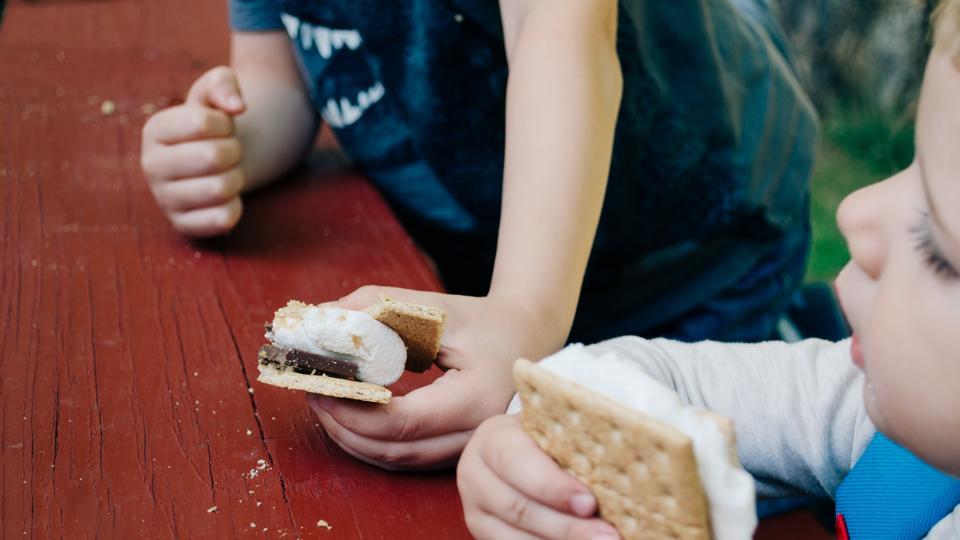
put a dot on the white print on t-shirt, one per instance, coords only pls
(345, 110)
(325, 40)
(343, 113)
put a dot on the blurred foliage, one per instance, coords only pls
(859, 146)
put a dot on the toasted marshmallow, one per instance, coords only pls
(354, 336)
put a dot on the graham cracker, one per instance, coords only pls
(419, 327)
(642, 472)
(321, 384)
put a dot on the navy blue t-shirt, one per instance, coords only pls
(713, 147)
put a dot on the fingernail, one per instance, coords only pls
(583, 504)
(235, 102)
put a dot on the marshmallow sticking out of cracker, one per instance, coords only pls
(659, 469)
(349, 354)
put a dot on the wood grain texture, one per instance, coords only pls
(126, 351)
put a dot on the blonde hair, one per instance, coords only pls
(946, 25)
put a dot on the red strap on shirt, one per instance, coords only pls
(841, 526)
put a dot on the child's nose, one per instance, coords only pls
(861, 218)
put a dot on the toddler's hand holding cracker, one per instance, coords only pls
(510, 487)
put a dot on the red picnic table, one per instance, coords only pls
(128, 400)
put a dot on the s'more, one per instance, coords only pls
(658, 468)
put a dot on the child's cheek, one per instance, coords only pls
(847, 289)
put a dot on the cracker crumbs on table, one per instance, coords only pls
(262, 465)
(212, 509)
(325, 525)
(108, 107)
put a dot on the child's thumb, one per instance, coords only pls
(359, 299)
(218, 89)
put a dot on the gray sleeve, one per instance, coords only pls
(255, 15)
(948, 528)
(797, 407)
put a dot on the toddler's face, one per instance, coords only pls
(901, 290)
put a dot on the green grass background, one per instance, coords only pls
(858, 146)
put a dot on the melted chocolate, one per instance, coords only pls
(307, 363)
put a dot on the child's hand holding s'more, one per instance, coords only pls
(509, 486)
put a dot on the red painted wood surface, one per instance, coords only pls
(128, 400)
(126, 352)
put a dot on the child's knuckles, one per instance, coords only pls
(496, 457)
(222, 76)
(163, 198)
(208, 156)
(217, 156)
(496, 433)
(147, 165)
(407, 428)
(152, 165)
(394, 456)
(158, 122)
(517, 509)
(204, 86)
(150, 128)
(201, 122)
(466, 474)
(219, 189)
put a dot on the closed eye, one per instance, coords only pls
(926, 246)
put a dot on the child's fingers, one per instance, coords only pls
(368, 295)
(428, 411)
(516, 458)
(486, 493)
(430, 453)
(208, 221)
(187, 123)
(530, 519)
(484, 526)
(217, 88)
(194, 193)
(192, 159)
(360, 298)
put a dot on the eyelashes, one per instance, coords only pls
(926, 246)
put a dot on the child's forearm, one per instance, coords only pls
(279, 124)
(797, 407)
(563, 97)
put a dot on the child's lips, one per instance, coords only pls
(855, 352)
